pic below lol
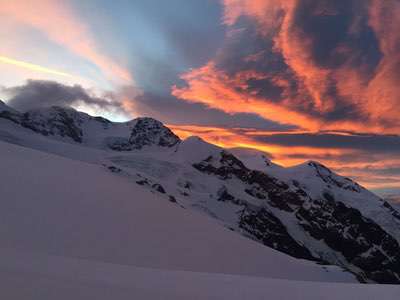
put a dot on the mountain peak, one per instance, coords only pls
(195, 149)
(148, 132)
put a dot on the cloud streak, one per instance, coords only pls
(29, 66)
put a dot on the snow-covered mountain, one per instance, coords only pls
(393, 198)
(306, 211)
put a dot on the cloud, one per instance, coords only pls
(34, 67)
(365, 142)
(317, 64)
(41, 93)
(59, 23)
(173, 111)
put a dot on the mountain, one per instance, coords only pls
(306, 211)
(393, 198)
(76, 230)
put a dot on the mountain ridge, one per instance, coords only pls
(306, 211)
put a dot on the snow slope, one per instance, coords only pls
(66, 208)
(73, 230)
(35, 276)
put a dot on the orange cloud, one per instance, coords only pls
(321, 89)
(216, 89)
(58, 22)
(266, 11)
(384, 89)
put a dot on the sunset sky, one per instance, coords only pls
(298, 79)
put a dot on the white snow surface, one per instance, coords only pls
(74, 209)
(35, 276)
(73, 230)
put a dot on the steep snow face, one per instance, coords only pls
(254, 159)
(194, 149)
(306, 211)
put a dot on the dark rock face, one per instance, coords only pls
(114, 169)
(59, 121)
(261, 186)
(159, 188)
(363, 243)
(223, 195)
(148, 132)
(229, 166)
(145, 132)
(268, 229)
(56, 121)
(172, 199)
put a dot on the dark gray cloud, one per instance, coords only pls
(364, 142)
(42, 93)
(332, 24)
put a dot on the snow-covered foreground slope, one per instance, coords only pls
(72, 230)
(62, 207)
(35, 276)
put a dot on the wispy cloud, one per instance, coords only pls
(34, 67)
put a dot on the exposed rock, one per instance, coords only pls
(54, 121)
(172, 199)
(223, 194)
(363, 243)
(158, 187)
(149, 132)
(268, 229)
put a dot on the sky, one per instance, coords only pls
(297, 79)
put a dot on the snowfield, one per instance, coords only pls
(73, 230)
(73, 209)
(33, 276)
